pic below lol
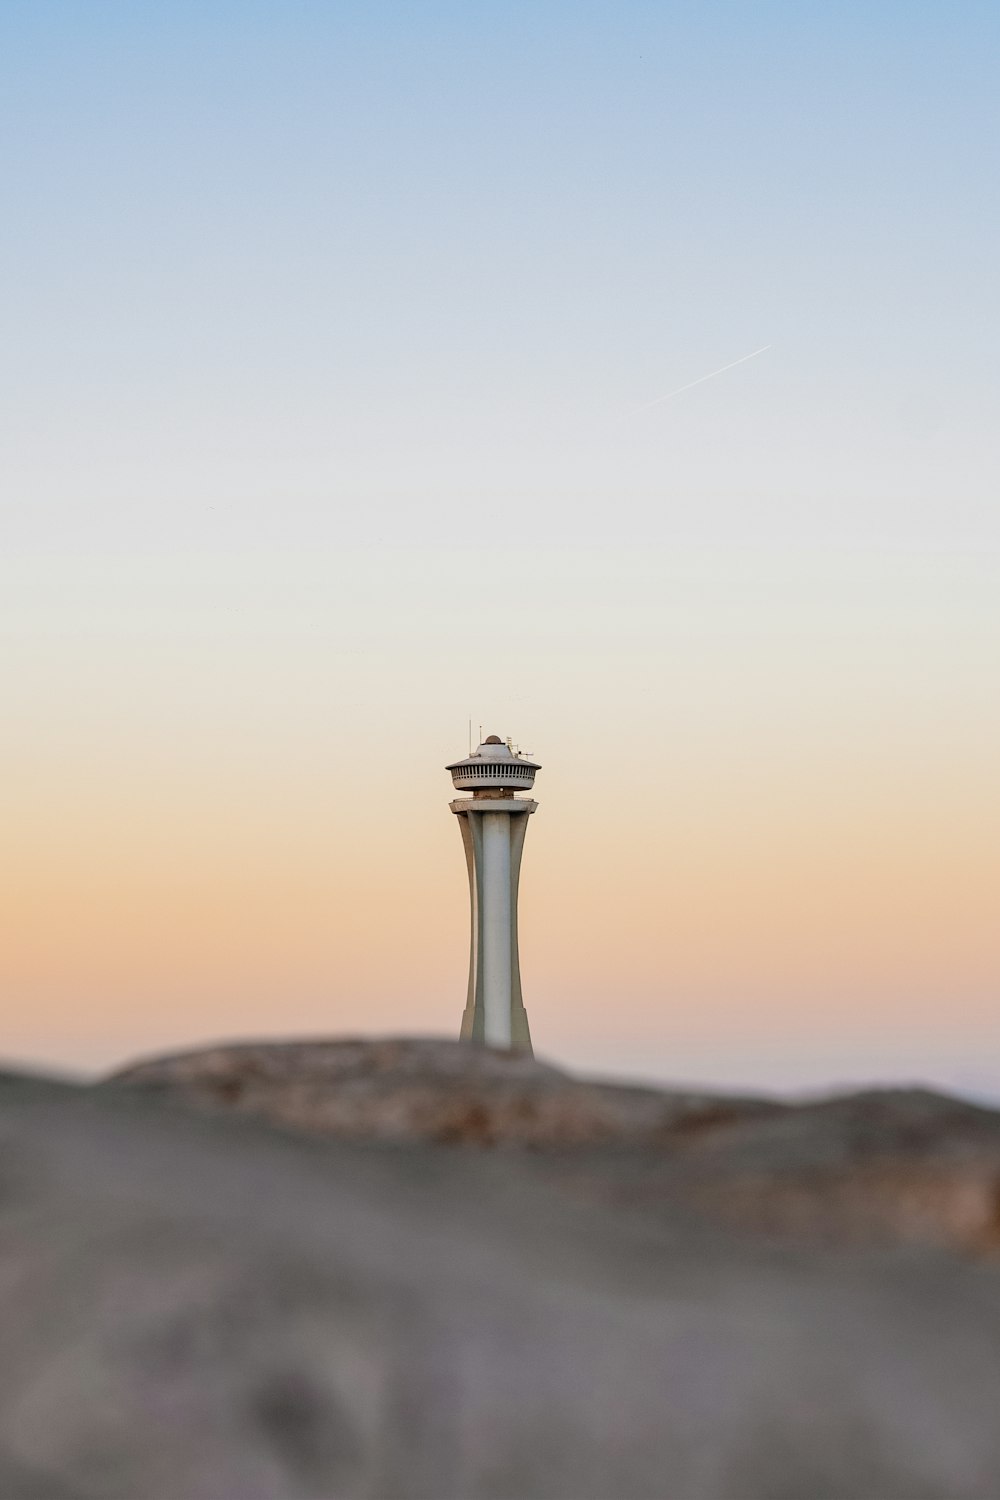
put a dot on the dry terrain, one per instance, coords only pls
(417, 1269)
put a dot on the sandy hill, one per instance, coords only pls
(412, 1269)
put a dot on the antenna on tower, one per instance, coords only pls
(470, 736)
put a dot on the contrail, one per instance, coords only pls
(702, 378)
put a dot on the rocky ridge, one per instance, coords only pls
(426, 1089)
(887, 1164)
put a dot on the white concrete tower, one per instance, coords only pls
(493, 823)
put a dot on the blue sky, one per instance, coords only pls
(332, 269)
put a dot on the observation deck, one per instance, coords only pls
(493, 770)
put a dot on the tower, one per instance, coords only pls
(493, 823)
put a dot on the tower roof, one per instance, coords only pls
(492, 749)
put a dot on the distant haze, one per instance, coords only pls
(319, 323)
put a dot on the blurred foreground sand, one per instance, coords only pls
(411, 1269)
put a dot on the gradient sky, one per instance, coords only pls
(325, 337)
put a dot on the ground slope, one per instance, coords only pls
(201, 1304)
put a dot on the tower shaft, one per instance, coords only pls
(497, 903)
(493, 834)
